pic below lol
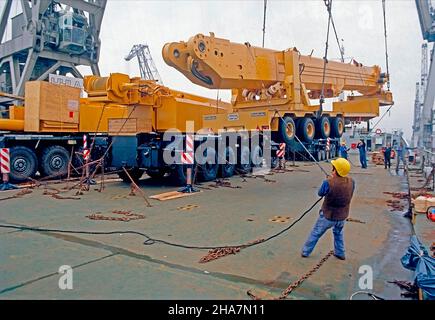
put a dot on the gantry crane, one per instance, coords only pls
(148, 69)
(426, 16)
(48, 37)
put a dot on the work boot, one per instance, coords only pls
(340, 257)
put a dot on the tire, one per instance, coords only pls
(257, 157)
(54, 161)
(179, 175)
(244, 165)
(227, 169)
(24, 164)
(323, 128)
(135, 174)
(209, 170)
(337, 127)
(156, 174)
(286, 130)
(306, 129)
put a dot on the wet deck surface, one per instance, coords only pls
(122, 267)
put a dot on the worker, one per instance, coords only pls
(387, 156)
(362, 153)
(338, 191)
(343, 150)
(401, 154)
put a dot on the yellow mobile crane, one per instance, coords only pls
(268, 84)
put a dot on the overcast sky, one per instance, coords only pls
(300, 24)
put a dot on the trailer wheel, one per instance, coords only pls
(323, 128)
(337, 127)
(244, 165)
(179, 175)
(135, 174)
(227, 168)
(208, 171)
(286, 129)
(24, 164)
(156, 173)
(257, 157)
(307, 129)
(54, 161)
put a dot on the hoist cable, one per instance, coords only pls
(386, 46)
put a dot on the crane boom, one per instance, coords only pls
(220, 64)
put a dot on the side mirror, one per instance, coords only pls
(430, 214)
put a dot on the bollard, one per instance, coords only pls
(5, 169)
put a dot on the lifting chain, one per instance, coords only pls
(222, 252)
(19, 194)
(126, 216)
(298, 282)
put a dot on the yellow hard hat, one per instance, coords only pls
(342, 166)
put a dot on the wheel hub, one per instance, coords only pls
(56, 162)
(20, 165)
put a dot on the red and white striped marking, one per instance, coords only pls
(328, 144)
(5, 161)
(86, 151)
(187, 157)
(281, 152)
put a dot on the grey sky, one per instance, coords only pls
(289, 23)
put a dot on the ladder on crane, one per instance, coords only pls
(148, 69)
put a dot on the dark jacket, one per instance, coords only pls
(337, 201)
(387, 152)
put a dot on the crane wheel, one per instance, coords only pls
(286, 130)
(228, 165)
(156, 174)
(307, 129)
(179, 175)
(24, 164)
(54, 162)
(208, 167)
(135, 174)
(244, 165)
(337, 127)
(323, 127)
(257, 157)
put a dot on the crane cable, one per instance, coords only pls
(386, 47)
(328, 4)
(264, 20)
(386, 62)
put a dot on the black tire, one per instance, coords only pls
(286, 130)
(179, 175)
(135, 174)
(24, 164)
(156, 174)
(306, 129)
(244, 165)
(323, 128)
(337, 127)
(54, 162)
(257, 157)
(209, 170)
(227, 169)
(274, 162)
